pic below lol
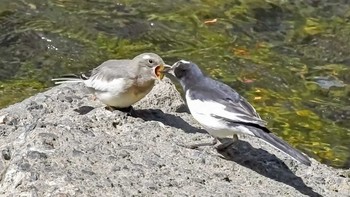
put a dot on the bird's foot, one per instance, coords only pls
(128, 110)
(224, 146)
(226, 142)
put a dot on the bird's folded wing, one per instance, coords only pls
(239, 109)
(234, 112)
(236, 98)
(229, 104)
(112, 69)
(112, 75)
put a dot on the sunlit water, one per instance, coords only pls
(290, 59)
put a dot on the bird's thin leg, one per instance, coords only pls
(128, 110)
(194, 146)
(226, 142)
(94, 97)
(235, 137)
(109, 108)
(124, 109)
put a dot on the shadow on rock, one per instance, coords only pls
(84, 110)
(167, 119)
(265, 164)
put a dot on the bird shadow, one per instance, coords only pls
(84, 109)
(167, 119)
(265, 164)
(148, 114)
(154, 115)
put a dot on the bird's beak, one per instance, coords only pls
(169, 69)
(159, 71)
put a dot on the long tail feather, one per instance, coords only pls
(70, 78)
(282, 146)
(266, 135)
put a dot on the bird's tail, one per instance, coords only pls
(71, 78)
(283, 146)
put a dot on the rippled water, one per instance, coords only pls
(291, 59)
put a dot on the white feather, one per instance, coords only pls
(112, 93)
(66, 80)
(146, 57)
(115, 85)
(184, 61)
(203, 112)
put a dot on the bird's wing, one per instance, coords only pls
(235, 107)
(112, 74)
(236, 98)
(112, 69)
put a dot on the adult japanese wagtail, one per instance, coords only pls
(222, 111)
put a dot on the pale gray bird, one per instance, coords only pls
(222, 111)
(121, 83)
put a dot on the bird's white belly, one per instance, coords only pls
(219, 128)
(213, 126)
(120, 100)
(120, 93)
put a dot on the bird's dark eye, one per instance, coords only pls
(180, 72)
(150, 61)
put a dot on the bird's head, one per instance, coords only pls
(152, 64)
(186, 72)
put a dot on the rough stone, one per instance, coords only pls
(62, 143)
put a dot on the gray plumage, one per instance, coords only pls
(121, 83)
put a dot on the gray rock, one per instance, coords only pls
(62, 143)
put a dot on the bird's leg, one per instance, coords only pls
(94, 97)
(194, 146)
(235, 138)
(109, 108)
(128, 110)
(124, 109)
(226, 142)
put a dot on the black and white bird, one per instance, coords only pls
(222, 111)
(121, 83)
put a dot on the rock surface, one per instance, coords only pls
(62, 143)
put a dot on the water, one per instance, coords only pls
(290, 59)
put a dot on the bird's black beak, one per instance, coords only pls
(166, 67)
(169, 69)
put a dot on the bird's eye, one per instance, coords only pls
(150, 61)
